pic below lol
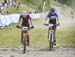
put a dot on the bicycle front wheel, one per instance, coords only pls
(50, 41)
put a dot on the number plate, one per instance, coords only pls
(25, 28)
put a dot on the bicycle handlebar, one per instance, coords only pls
(50, 25)
(28, 27)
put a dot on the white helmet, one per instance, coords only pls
(24, 13)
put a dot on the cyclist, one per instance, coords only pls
(53, 19)
(25, 21)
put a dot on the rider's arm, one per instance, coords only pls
(47, 18)
(57, 18)
(58, 22)
(19, 21)
(30, 21)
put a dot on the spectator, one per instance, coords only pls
(7, 12)
(17, 5)
(72, 15)
(0, 8)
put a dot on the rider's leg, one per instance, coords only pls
(27, 35)
(22, 36)
(27, 38)
(54, 35)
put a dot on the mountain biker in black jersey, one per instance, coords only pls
(25, 21)
(53, 19)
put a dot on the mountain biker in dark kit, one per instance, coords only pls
(53, 19)
(25, 21)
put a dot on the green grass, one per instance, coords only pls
(66, 37)
(10, 37)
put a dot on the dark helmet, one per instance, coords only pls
(52, 9)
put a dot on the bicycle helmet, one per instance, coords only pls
(52, 9)
(24, 13)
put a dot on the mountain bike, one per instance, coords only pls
(51, 34)
(24, 39)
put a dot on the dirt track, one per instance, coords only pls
(41, 52)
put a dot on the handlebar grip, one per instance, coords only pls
(32, 27)
(46, 24)
(18, 27)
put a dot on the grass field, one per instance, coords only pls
(10, 37)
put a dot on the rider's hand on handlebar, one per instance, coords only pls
(32, 27)
(59, 24)
(44, 23)
(17, 26)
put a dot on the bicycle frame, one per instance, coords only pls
(51, 35)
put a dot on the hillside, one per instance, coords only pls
(64, 8)
(70, 3)
(37, 5)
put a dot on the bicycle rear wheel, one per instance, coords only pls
(24, 42)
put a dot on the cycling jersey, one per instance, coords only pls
(52, 17)
(25, 20)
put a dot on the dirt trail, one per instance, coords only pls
(41, 52)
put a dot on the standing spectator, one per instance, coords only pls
(0, 8)
(14, 3)
(5, 3)
(17, 5)
(72, 15)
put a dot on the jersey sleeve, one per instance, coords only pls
(28, 16)
(20, 17)
(48, 15)
(56, 14)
